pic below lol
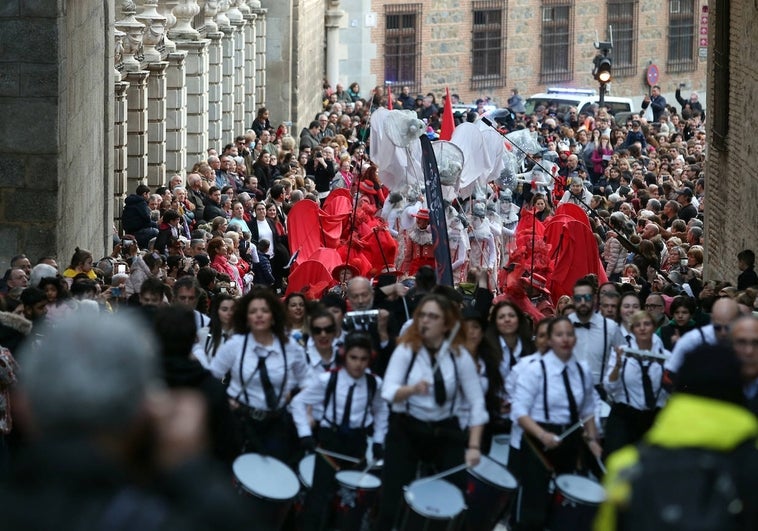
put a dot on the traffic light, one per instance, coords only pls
(602, 70)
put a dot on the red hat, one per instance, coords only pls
(422, 214)
(337, 271)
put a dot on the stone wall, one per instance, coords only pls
(55, 154)
(731, 179)
(446, 57)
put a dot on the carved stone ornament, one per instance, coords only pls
(184, 12)
(155, 28)
(210, 8)
(133, 30)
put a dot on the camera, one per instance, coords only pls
(683, 265)
(359, 319)
(127, 243)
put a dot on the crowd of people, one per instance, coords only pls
(380, 362)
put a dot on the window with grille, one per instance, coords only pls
(681, 56)
(488, 45)
(622, 17)
(556, 48)
(402, 46)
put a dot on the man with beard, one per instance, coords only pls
(595, 334)
(419, 248)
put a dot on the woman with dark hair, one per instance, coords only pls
(429, 377)
(320, 350)
(262, 170)
(541, 207)
(510, 331)
(297, 317)
(681, 311)
(220, 329)
(488, 366)
(552, 394)
(265, 369)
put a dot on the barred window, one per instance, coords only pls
(488, 45)
(681, 56)
(622, 17)
(402, 46)
(556, 41)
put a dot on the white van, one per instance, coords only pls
(564, 98)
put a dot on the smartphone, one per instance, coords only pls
(626, 280)
(120, 269)
(116, 292)
(233, 284)
(128, 243)
(683, 265)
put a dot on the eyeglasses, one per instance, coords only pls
(318, 330)
(587, 297)
(653, 306)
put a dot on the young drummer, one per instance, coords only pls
(352, 404)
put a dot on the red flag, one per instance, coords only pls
(448, 123)
(389, 98)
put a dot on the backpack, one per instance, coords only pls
(687, 489)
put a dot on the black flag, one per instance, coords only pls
(437, 221)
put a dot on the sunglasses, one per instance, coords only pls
(318, 330)
(587, 297)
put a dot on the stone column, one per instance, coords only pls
(188, 39)
(215, 64)
(250, 55)
(176, 115)
(156, 124)
(227, 74)
(260, 52)
(334, 16)
(238, 125)
(136, 136)
(120, 164)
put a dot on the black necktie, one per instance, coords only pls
(268, 389)
(573, 411)
(628, 340)
(582, 325)
(345, 425)
(647, 386)
(439, 383)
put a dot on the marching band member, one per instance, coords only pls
(634, 383)
(221, 328)
(265, 368)
(552, 395)
(320, 351)
(353, 408)
(426, 385)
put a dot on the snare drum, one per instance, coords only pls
(270, 486)
(489, 491)
(355, 498)
(575, 502)
(435, 505)
(305, 470)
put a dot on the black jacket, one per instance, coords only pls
(136, 214)
(212, 210)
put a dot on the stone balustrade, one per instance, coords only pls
(190, 75)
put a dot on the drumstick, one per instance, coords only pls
(442, 474)
(571, 429)
(342, 457)
(600, 464)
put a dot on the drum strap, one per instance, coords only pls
(605, 347)
(408, 373)
(623, 380)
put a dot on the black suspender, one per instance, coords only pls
(455, 388)
(544, 387)
(605, 349)
(331, 387)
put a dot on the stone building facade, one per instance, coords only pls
(731, 224)
(98, 96)
(487, 47)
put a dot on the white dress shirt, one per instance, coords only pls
(529, 391)
(228, 359)
(510, 386)
(689, 342)
(461, 385)
(510, 358)
(315, 392)
(628, 388)
(202, 350)
(593, 343)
